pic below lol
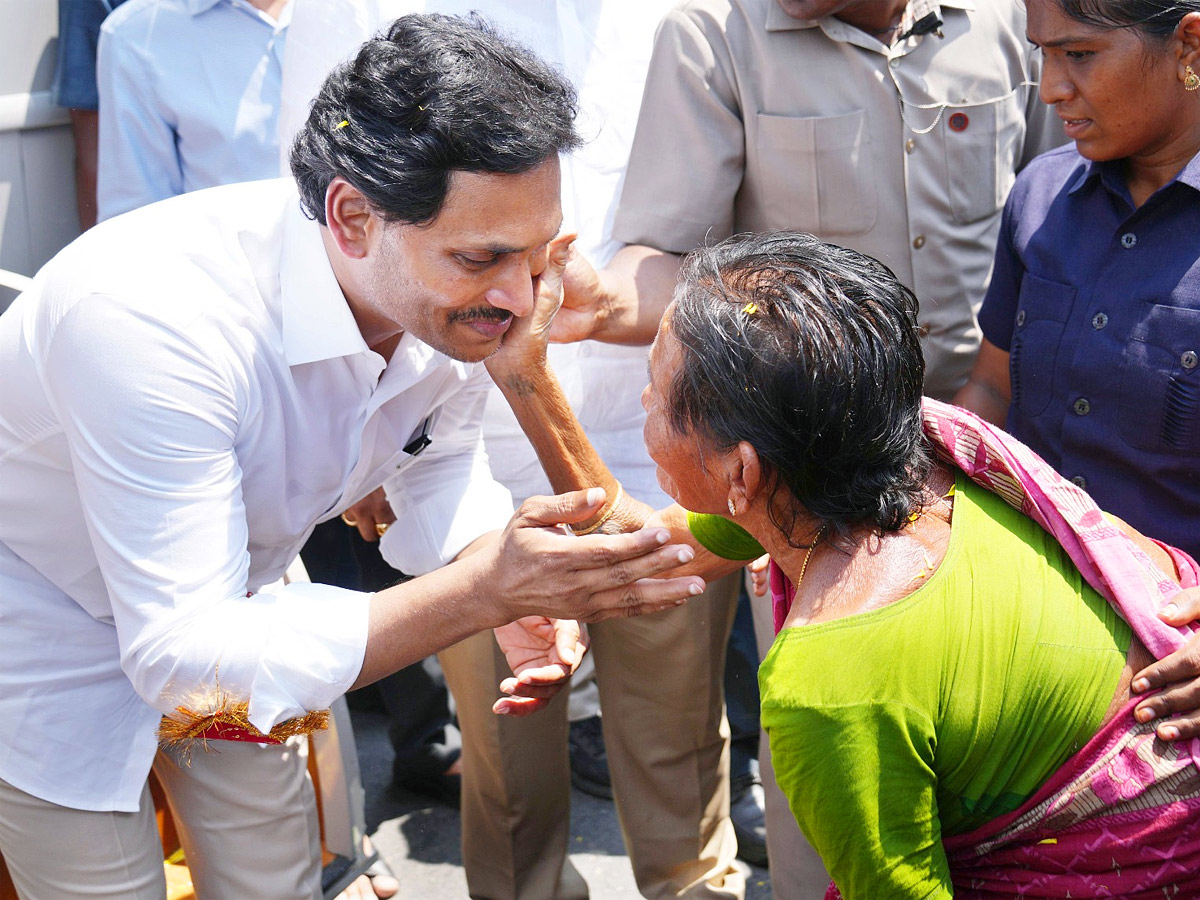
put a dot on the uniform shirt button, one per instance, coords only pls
(910, 145)
(1080, 482)
(1129, 240)
(1020, 317)
(1082, 407)
(1099, 320)
(919, 241)
(1189, 359)
(895, 64)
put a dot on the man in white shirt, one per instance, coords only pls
(666, 734)
(191, 387)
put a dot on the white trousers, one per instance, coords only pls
(246, 816)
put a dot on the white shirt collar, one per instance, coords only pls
(317, 322)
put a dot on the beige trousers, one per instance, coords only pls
(660, 680)
(797, 872)
(246, 816)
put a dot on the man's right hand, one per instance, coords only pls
(537, 568)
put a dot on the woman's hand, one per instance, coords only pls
(1177, 674)
(543, 654)
(525, 342)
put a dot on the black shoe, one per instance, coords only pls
(443, 788)
(747, 809)
(589, 759)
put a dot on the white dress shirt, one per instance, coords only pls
(604, 49)
(189, 98)
(186, 394)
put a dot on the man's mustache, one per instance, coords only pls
(485, 313)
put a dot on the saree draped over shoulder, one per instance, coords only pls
(1121, 818)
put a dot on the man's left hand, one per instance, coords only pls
(1177, 706)
(543, 654)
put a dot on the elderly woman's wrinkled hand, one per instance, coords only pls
(526, 340)
(543, 654)
(1177, 706)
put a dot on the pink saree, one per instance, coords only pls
(1121, 818)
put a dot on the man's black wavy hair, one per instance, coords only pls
(431, 96)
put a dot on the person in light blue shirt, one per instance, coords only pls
(189, 97)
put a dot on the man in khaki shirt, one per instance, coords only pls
(896, 129)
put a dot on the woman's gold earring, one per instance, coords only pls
(732, 508)
(1191, 81)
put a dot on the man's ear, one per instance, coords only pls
(349, 218)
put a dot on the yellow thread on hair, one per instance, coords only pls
(422, 108)
(750, 308)
(342, 124)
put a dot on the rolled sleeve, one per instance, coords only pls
(151, 417)
(446, 498)
(688, 153)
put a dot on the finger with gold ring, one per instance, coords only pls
(351, 522)
(380, 528)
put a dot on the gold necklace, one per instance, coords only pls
(807, 557)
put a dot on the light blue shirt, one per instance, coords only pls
(189, 98)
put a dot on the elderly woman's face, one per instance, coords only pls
(1118, 95)
(681, 469)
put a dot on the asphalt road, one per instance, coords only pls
(421, 841)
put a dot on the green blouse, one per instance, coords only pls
(928, 717)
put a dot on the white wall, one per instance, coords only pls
(37, 178)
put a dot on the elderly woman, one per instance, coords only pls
(948, 700)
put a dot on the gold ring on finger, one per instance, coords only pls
(351, 522)
(380, 528)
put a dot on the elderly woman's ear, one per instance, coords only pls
(744, 475)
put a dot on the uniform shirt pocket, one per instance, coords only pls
(816, 172)
(1159, 399)
(982, 144)
(1042, 311)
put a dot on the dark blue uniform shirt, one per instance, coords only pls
(1098, 305)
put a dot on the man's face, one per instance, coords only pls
(456, 282)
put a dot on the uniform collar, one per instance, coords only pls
(1110, 174)
(778, 20)
(317, 322)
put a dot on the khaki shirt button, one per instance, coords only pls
(919, 241)
(1020, 317)
(1189, 359)
(1129, 240)
(1099, 320)
(1082, 407)
(1080, 482)
(910, 145)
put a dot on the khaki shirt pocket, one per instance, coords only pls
(982, 146)
(816, 173)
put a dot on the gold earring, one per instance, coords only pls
(732, 508)
(1191, 81)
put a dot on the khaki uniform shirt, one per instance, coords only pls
(755, 121)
